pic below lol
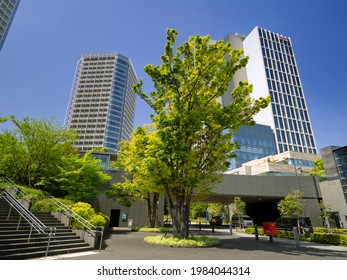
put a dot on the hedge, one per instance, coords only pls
(333, 239)
(318, 237)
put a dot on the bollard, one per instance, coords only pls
(199, 225)
(231, 229)
(212, 227)
(271, 238)
(256, 232)
(296, 236)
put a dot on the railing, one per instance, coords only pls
(33, 221)
(17, 191)
(87, 227)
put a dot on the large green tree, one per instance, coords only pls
(80, 177)
(192, 127)
(40, 154)
(33, 150)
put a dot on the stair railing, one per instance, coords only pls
(87, 227)
(32, 220)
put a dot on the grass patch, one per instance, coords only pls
(198, 241)
(148, 229)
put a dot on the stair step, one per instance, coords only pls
(14, 243)
(5, 248)
(42, 253)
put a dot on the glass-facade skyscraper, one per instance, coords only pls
(255, 142)
(273, 71)
(102, 103)
(8, 9)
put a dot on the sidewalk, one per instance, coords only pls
(122, 244)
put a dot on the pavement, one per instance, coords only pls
(122, 244)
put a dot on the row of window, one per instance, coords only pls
(84, 99)
(289, 112)
(294, 90)
(288, 98)
(277, 56)
(280, 66)
(292, 125)
(265, 34)
(87, 113)
(286, 137)
(100, 92)
(284, 148)
(90, 126)
(94, 85)
(280, 75)
(78, 119)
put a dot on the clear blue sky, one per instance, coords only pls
(47, 37)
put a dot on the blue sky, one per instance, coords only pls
(47, 37)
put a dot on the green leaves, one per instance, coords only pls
(80, 177)
(292, 205)
(40, 154)
(192, 140)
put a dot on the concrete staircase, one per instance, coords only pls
(15, 243)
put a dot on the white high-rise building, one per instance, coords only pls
(8, 9)
(102, 103)
(273, 71)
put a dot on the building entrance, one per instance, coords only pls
(114, 217)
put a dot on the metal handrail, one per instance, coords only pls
(87, 226)
(32, 220)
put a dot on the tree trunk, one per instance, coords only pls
(152, 206)
(179, 210)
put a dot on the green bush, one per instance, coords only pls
(148, 229)
(87, 212)
(47, 205)
(34, 194)
(334, 239)
(334, 230)
(198, 241)
(251, 230)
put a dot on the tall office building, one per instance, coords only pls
(102, 103)
(8, 9)
(273, 71)
(255, 142)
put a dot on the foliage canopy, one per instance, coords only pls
(191, 143)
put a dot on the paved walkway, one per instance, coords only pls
(121, 244)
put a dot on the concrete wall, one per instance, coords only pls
(271, 188)
(251, 189)
(137, 213)
(332, 194)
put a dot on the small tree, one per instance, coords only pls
(326, 214)
(238, 208)
(319, 170)
(198, 209)
(292, 206)
(80, 177)
(138, 158)
(215, 209)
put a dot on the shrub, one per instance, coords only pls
(87, 212)
(251, 230)
(47, 205)
(34, 194)
(198, 241)
(148, 229)
(334, 239)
